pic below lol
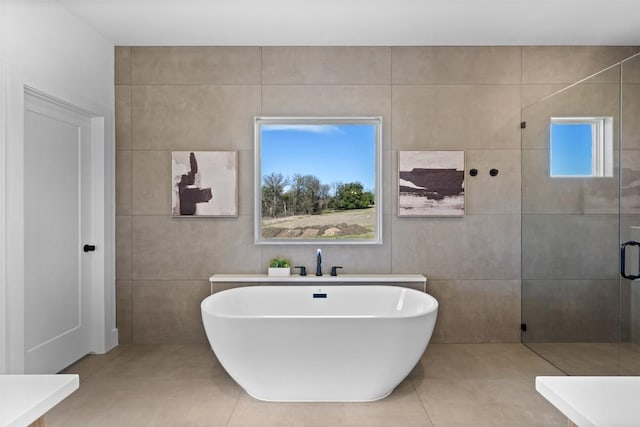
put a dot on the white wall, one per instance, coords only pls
(45, 47)
(3, 192)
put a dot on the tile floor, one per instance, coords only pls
(183, 385)
(591, 358)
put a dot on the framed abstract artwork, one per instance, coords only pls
(431, 183)
(204, 183)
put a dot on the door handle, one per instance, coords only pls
(623, 248)
(89, 248)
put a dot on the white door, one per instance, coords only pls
(57, 185)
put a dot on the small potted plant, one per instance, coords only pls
(279, 266)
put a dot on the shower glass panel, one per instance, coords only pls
(629, 354)
(575, 310)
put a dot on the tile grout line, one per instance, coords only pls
(424, 407)
(233, 410)
(131, 268)
(543, 358)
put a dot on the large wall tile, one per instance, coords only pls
(629, 290)
(584, 100)
(569, 246)
(326, 65)
(195, 65)
(568, 64)
(456, 64)
(123, 247)
(473, 247)
(627, 311)
(169, 248)
(123, 117)
(123, 183)
(168, 311)
(194, 117)
(334, 100)
(631, 70)
(151, 182)
(630, 113)
(570, 310)
(476, 310)
(486, 194)
(246, 182)
(542, 194)
(544, 310)
(635, 313)
(455, 117)
(534, 93)
(626, 224)
(389, 181)
(124, 312)
(122, 58)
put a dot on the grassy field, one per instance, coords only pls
(356, 223)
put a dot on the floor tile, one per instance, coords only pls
(123, 402)
(401, 408)
(487, 403)
(180, 361)
(184, 384)
(92, 363)
(480, 361)
(591, 358)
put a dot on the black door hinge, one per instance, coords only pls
(523, 125)
(523, 327)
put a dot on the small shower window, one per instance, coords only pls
(581, 147)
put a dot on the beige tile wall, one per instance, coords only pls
(451, 98)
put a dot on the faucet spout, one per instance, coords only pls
(319, 263)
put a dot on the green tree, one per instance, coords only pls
(352, 196)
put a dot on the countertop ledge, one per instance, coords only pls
(312, 278)
(594, 401)
(25, 398)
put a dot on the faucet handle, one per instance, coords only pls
(303, 269)
(334, 270)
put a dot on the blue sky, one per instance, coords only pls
(335, 152)
(571, 149)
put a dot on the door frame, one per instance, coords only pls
(103, 331)
(3, 220)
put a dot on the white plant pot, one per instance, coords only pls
(280, 271)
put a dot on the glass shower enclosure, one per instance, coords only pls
(580, 209)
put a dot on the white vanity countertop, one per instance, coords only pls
(312, 278)
(25, 398)
(594, 401)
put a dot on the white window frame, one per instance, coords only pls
(601, 145)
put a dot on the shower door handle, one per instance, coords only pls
(623, 248)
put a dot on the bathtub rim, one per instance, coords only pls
(432, 309)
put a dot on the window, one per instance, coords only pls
(318, 180)
(581, 147)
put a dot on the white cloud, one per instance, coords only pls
(323, 129)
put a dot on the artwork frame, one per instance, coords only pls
(204, 184)
(431, 183)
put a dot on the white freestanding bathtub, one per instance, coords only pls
(319, 344)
